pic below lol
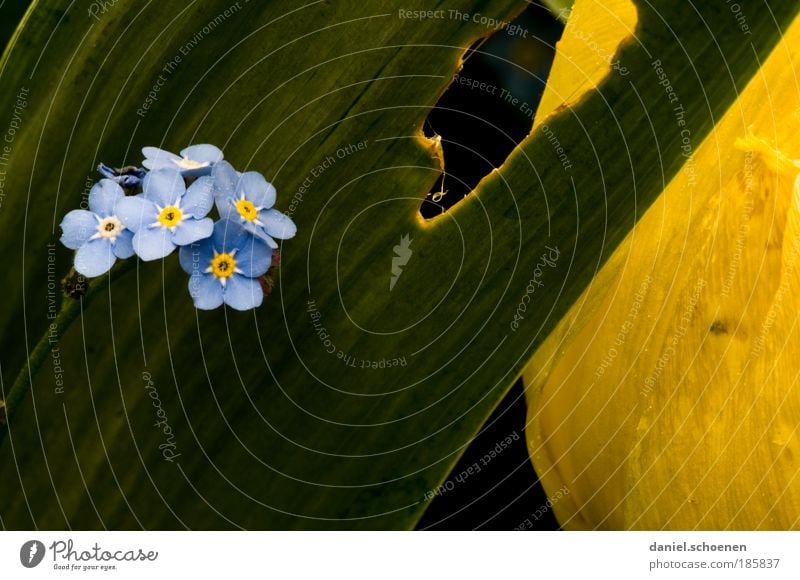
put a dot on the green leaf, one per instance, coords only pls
(559, 8)
(272, 430)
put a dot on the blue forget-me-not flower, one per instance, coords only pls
(224, 268)
(248, 198)
(167, 214)
(98, 234)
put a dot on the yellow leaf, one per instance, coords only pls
(668, 397)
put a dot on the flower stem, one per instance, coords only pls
(77, 292)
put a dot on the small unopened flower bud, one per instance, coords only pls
(74, 284)
(128, 177)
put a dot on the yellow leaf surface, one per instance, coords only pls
(586, 53)
(668, 397)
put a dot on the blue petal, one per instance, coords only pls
(159, 165)
(153, 243)
(277, 224)
(203, 153)
(254, 257)
(256, 189)
(228, 236)
(225, 179)
(242, 293)
(199, 197)
(260, 233)
(195, 258)
(78, 226)
(164, 186)
(191, 230)
(123, 246)
(227, 210)
(206, 291)
(94, 258)
(103, 196)
(156, 158)
(136, 212)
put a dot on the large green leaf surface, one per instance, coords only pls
(272, 429)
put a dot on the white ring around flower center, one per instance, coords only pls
(109, 228)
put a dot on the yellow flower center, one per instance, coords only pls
(170, 216)
(246, 209)
(223, 266)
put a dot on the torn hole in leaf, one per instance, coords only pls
(490, 104)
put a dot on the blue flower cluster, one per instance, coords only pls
(224, 259)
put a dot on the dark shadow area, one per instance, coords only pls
(489, 107)
(493, 487)
(11, 13)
